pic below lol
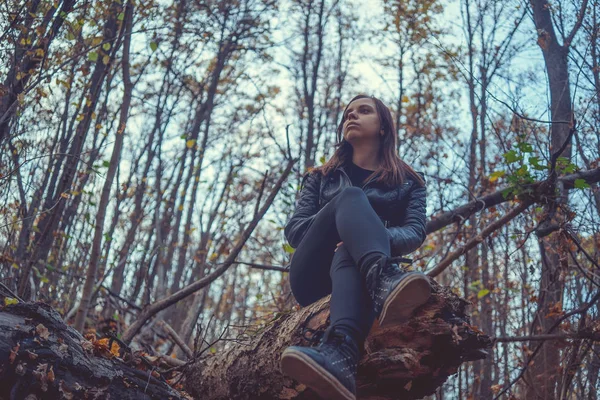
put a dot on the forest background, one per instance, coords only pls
(151, 154)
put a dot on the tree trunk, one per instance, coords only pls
(42, 358)
(543, 375)
(408, 361)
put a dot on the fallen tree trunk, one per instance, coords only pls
(43, 358)
(408, 361)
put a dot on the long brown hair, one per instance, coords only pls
(392, 168)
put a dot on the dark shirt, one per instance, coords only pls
(357, 174)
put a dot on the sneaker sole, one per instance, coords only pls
(412, 292)
(305, 370)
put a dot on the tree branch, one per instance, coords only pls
(479, 238)
(152, 309)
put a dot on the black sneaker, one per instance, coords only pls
(329, 369)
(395, 292)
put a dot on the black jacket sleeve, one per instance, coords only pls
(409, 234)
(307, 207)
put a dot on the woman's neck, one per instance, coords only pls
(366, 161)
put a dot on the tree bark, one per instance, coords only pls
(543, 376)
(408, 361)
(90, 280)
(43, 357)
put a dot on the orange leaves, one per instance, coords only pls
(555, 310)
(100, 346)
(44, 375)
(13, 353)
(543, 39)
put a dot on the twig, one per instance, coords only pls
(3, 286)
(263, 266)
(129, 303)
(177, 339)
(579, 310)
(488, 230)
(159, 305)
(556, 336)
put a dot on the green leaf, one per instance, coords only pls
(106, 164)
(475, 284)
(522, 171)
(9, 301)
(511, 156)
(581, 184)
(106, 46)
(288, 248)
(525, 147)
(92, 56)
(153, 46)
(506, 192)
(570, 168)
(213, 350)
(121, 16)
(535, 162)
(482, 293)
(70, 36)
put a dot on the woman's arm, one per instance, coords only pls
(307, 207)
(409, 234)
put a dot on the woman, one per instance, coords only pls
(355, 216)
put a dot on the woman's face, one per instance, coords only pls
(361, 121)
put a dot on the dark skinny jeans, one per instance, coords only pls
(317, 270)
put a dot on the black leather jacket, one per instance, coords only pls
(401, 209)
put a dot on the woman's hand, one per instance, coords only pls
(338, 245)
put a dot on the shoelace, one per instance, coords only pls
(327, 336)
(334, 341)
(316, 334)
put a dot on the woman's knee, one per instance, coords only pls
(350, 193)
(352, 190)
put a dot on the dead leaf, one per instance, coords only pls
(87, 346)
(41, 374)
(101, 348)
(456, 336)
(64, 390)
(42, 331)
(20, 369)
(63, 348)
(50, 375)
(13, 353)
